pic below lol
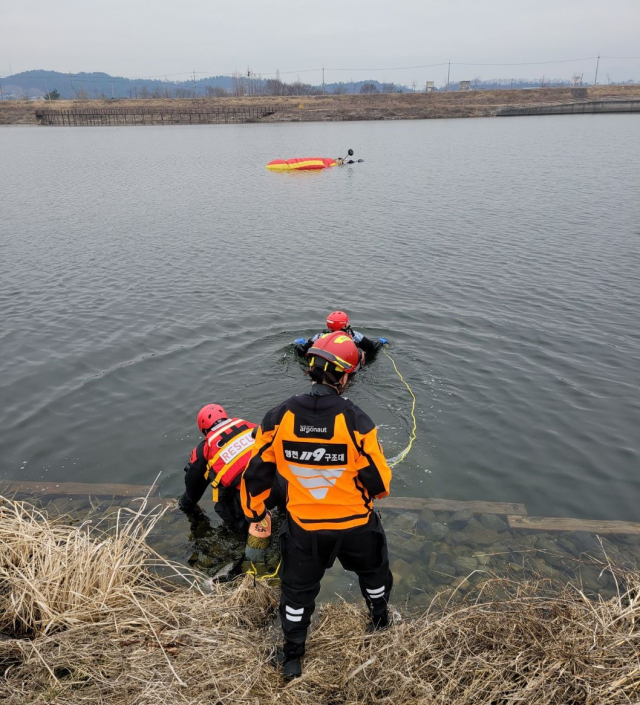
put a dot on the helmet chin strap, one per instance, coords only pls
(339, 386)
(342, 383)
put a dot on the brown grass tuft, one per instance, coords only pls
(92, 615)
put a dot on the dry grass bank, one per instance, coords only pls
(345, 107)
(86, 617)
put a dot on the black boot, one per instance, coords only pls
(378, 622)
(291, 665)
(292, 668)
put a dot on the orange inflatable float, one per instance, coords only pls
(302, 164)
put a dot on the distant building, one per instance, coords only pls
(576, 81)
(430, 86)
(465, 85)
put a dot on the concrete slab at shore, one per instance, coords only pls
(451, 505)
(44, 489)
(592, 526)
(516, 513)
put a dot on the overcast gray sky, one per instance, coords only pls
(361, 37)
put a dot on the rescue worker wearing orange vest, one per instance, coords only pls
(339, 321)
(327, 450)
(219, 461)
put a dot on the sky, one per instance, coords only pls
(388, 40)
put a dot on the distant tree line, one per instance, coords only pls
(53, 85)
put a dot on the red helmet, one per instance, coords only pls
(208, 415)
(337, 349)
(337, 320)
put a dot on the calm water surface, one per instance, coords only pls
(146, 271)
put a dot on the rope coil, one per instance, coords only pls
(403, 454)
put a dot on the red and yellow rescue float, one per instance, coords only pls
(302, 164)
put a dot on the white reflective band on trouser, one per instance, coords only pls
(376, 593)
(294, 615)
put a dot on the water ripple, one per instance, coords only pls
(163, 268)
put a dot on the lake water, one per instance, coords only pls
(147, 271)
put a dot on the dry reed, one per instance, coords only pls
(87, 616)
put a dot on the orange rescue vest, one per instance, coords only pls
(227, 450)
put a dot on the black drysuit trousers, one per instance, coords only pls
(305, 557)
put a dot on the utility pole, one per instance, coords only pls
(72, 91)
(323, 80)
(195, 85)
(448, 74)
(595, 82)
(113, 97)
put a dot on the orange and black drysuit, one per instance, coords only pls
(326, 449)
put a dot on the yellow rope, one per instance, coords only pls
(413, 416)
(271, 575)
(254, 571)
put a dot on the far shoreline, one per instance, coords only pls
(327, 108)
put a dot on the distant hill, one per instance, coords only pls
(35, 84)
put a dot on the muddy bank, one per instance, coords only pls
(399, 106)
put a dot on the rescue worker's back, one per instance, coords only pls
(327, 450)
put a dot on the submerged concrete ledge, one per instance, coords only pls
(73, 489)
(558, 524)
(516, 514)
(452, 505)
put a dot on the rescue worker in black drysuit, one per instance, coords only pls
(219, 460)
(339, 321)
(327, 451)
